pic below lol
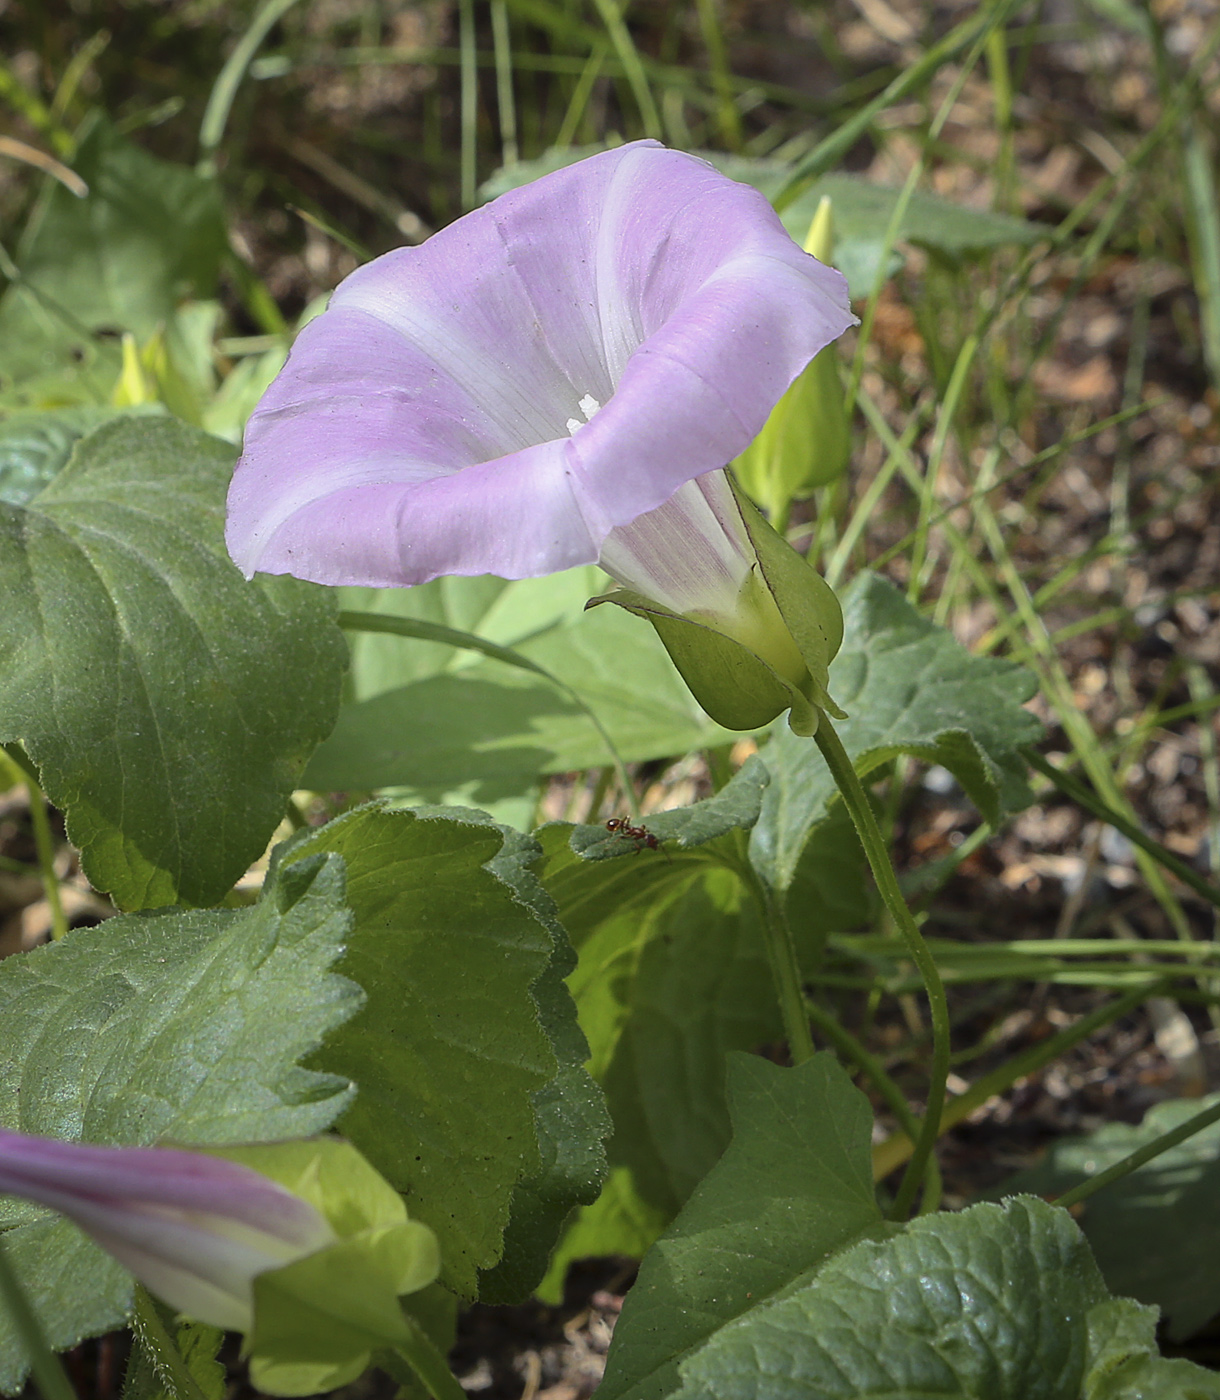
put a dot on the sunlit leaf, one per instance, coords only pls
(169, 704)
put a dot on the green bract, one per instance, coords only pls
(772, 655)
(318, 1321)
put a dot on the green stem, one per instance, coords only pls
(891, 1153)
(847, 1044)
(781, 954)
(44, 844)
(1141, 1155)
(419, 1360)
(856, 800)
(167, 1360)
(48, 1370)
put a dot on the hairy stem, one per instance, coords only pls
(167, 1360)
(781, 954)
(856, 800)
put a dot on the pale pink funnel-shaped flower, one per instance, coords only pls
(546, 369)
(196, 1229)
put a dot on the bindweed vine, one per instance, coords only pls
(373, 1033)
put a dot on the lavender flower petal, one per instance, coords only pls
(196, 1229)
(544, 370)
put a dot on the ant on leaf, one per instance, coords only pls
(620, 826)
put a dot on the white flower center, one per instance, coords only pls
(588, 406)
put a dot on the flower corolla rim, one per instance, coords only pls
(544, 370)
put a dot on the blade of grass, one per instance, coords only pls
(1120, 821)
(896, 1149)
(581, 93)
(624, 45)
(469, 106)
(834, 147)
(35, 111)
(505, 101)
(224, 90)
(1139, 1157)
(76, 68)
(48, 1371)
(727, 115)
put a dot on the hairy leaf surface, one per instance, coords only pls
(169, 704)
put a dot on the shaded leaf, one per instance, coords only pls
(438, 721)
(1124, 1363)
(908, 688)
(148, 235)
(570, 1114)
(989, 1302)
(169, 704)
(450, 1052)
(672, 974)
(1156, 1232)
(618, 1222)
(34, 447)
(794, 1186)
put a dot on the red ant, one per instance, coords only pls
(620, 826)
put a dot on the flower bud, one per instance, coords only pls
(806, 441)
(302, 1246)
(195, 1229)
(751, 627)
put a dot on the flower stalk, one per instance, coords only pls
(848, 782)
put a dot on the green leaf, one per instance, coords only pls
(989, 1302)
(1156, 1232)
(862, 213)
(169, 704)
(34, 447)
(570, 1115)
(439, 721)
(672, 973)
(618, 1222)
(831, 889)
(908, 688)
(450, 1052)
(794, 1186)
(1124, 1363)
(735, 807)
(180, 1027)
(148, 235)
